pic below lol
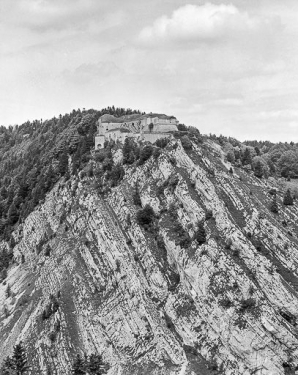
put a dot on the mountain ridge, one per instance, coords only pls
(143, 289)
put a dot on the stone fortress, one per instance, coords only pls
(147, 127)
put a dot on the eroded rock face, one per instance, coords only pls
(88, 278)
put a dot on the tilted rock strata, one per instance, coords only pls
(232, 306)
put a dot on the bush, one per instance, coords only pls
(128, 150)
(173, 182)
(145, 154)
(186, 143)
(183, 239)
(209, 215)
(228, 244)
(51, 308)
(288, 200)
(200, 235)
(182, 127)
(156, 153)
(247, 304)
(145, 216)
(272, 191)
(162, 142)
(117, 174)
(107, 164)
(47, 252)
(225, 303)
(100, 156)
(273, 205)
(136, 197)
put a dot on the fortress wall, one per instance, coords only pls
(162, 128)
(111, 125)
(99, 141)
(152, 137)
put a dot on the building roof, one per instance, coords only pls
(135, 117)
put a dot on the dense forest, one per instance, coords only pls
(263, 157)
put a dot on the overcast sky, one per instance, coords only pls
(227, 67)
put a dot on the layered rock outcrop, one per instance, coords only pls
(88, 278)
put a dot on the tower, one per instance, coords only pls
(100, 136)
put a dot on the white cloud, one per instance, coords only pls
(206, 23)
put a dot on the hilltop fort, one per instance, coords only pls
(147, 127)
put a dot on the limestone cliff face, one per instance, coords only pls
(88, 278)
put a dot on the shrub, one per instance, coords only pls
(272, 191)
(117, 174)
(47, 252)
(136, 197)
(182, 127)
(156, 153)
(200, 235)
(183, 238)
(145, 216)
(53, 336)
(288, 199)
(209, 215)
(160, 242)
(128, 150)
(51, 308)
(8, 291)
(273, 205)
(162, 142)
(173, 182)
(226, 303)
(145, 154)
(228, 243)
(173, 161)
(247, 304)
(172, 211)
(186, 143)
(100, 156)
(107, 164)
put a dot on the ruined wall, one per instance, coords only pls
(153, 137)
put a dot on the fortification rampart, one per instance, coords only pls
(142, 127)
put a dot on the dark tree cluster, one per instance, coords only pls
(17, 364)
(145, 216)
(91, 365)
(35, 155)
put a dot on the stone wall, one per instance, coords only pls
(153, 137)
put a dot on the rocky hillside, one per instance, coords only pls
(97, 271)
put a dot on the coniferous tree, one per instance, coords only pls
(246, 158)
(288, 199)
(258, 171)
(96, 366)
(7, 367)
(201, 233)
(13, 214)
(273, 205)
(79, 366)
(19, 359)
(63, 163)
(3, 192)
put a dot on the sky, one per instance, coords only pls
(226, 67)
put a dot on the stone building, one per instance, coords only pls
(148, 127)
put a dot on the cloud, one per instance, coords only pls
(206, 23)
(54, 15)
